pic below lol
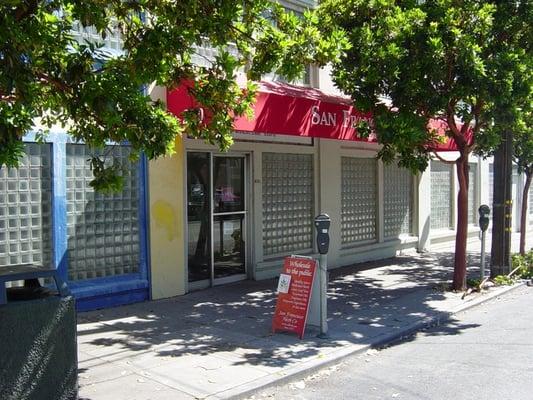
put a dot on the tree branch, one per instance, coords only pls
(8, 98)
(58, 84)
(476, 111)
(26, 9)
(442, 159)
(246, 35)
(450, 118)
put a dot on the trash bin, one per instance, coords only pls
(38, 349)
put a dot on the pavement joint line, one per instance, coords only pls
(179, 390)
(99, 382)
(317, 363)
(177, 387)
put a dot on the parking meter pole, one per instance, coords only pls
(322, 223)
(483, 235)
(323, 296)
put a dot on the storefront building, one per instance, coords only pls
(221, 217)
(201, 218)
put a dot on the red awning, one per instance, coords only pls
(286, 109)
(292, 110)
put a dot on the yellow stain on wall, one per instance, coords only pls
(164, 216)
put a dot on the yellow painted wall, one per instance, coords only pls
(167, 213)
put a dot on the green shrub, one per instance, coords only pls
(474, 283)
(503, 280)
(524, 263)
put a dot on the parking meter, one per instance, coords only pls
(484, 212)
(322, 223)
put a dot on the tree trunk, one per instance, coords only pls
(459, 272)
(500, 254)
(523, 213)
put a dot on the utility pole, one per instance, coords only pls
(502, 207)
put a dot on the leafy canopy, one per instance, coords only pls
(523, 140)
(465, 63)
(47, 78)
(456, 61)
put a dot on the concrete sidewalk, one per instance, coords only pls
(217, 343)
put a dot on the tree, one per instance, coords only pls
(523, 153)
(412, 62)
(502, 205)
(512, 84)
(48, 78)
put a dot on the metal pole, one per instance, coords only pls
(483, 235)
(323, 265)
(322, 224)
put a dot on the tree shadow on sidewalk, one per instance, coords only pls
(366, 301)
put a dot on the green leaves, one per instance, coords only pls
(434, 59)
(404, 136)
(107, 179)
(523, 138)
(96, 93)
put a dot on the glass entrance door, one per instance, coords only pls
(228, 216)
(216, 216)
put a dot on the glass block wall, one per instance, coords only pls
(358, 199)
(25, 209)
(472, 188)
(288, 207)
(398, 201)
(441, 195)
(102, 230)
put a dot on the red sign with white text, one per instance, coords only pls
(294, 293)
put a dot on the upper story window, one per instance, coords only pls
(113, 40)
(204, 55)
(306, 80)
(310, 72)
(298, 5)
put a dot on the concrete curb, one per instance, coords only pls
(308, 368)
(443, 316)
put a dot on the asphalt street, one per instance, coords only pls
(483, 353)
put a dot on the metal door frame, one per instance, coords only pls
(211, 281)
